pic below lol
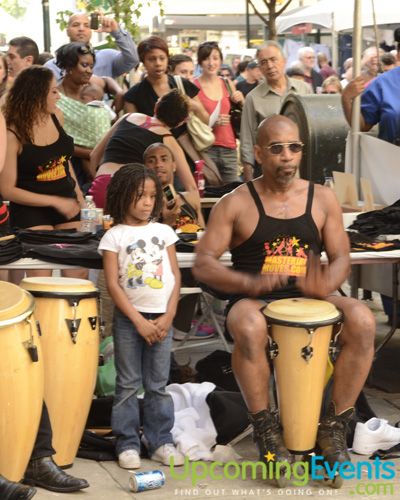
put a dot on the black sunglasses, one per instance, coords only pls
(277, 148)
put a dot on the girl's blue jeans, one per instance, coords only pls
(140, 365)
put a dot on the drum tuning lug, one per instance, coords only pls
(93, 322)
(73, 302)
(73, 327)
(273, 349)
(307, 353)
(332, 349)
(32, 350)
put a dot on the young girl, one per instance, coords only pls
(143, 279)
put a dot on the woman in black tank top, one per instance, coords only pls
(37, 178)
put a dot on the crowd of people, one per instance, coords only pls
(60, 139)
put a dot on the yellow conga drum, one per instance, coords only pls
(67, 310)
(300, 331)
(21, 380)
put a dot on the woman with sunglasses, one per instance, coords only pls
(86, 124)
(216, 99)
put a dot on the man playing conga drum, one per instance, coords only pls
(279, 214)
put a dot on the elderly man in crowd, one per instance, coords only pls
(306, 56)
(265, 100)
(370, 63)
(109, 62)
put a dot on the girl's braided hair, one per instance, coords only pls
(126, 186)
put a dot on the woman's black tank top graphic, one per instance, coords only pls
(279, 246)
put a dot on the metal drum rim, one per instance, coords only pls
(311, 324)
(20, 317)
(70, 294)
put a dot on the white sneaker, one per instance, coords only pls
(164, 453)
(375, 434)
(129, 459)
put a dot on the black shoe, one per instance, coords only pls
(267, 434)
(44, 472)
(331, 437)
(15, 491)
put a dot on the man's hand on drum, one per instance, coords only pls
(262, 283)
(148, 330)
(318, 282)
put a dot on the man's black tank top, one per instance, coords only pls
(129, 142)
(278, 246)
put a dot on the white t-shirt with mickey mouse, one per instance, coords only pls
(144, 268)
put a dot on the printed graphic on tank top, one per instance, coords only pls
(286, 255)
(52, 170)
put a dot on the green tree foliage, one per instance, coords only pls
(126, 12)
(15, 8)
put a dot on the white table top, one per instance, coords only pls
(186, 260)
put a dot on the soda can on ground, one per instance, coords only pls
(149, 480)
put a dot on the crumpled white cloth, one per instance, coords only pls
(194, 432)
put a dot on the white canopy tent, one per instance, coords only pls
(337, 15)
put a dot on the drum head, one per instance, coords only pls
(57, 284)
(301, 310)
(14, 302)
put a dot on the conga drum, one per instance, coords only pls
(300, 331)
(67, 310)
(21, 380)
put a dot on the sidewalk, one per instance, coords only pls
(109, 482)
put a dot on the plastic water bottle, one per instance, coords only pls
(199, 176)
(89, 216)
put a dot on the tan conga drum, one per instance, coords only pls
(67, 311)
(21, 380)
(300, 332)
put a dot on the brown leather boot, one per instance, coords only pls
(331, 437)
(267, 434)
